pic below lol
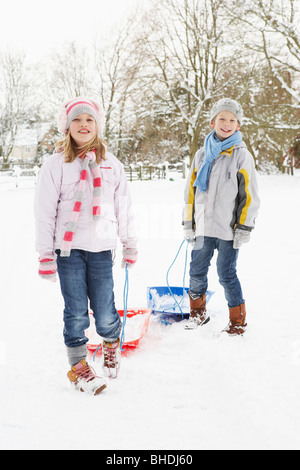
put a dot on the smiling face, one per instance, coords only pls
(225, 124)
(83, 129)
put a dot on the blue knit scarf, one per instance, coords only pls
(213, 146)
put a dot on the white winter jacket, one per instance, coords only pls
(231, 199)
(56, 191)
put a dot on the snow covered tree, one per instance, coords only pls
(70, 73)
(187, 47)
(266, 113)
(117, 65)
(273, 31)
(269, 30)
(14, 100)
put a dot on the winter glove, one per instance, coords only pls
(240, 236)
(48, 267)
(189, 235)
(129, 257)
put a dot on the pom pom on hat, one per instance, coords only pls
(72, 108)
(227, 104)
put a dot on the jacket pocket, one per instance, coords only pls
(107, 228)
(69, 188)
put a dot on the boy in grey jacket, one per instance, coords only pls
(221, 204)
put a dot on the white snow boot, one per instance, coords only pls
(111, 358)
(82, 377)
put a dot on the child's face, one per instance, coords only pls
(83, 128)
(225, 124)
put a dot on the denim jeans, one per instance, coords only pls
(202, 254)
(88, 276)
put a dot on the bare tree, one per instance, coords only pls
(186, 43)
(273, 31)
(269, 31)
(117, 67)
(14, 105)
(70, 74)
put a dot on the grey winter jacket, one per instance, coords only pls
(231, 199)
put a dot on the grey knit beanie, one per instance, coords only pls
(227, 104)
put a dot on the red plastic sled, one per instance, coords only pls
(137, 322)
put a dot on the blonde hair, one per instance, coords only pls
(68, 146)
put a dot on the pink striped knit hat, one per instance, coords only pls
(72, 108)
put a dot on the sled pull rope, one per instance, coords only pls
(184, 273)
(98, 348)
(125, 300)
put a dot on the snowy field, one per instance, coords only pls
(179, 389)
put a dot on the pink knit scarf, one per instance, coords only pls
(88, 161)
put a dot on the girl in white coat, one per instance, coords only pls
(82, 204)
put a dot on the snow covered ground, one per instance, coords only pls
(179, 390)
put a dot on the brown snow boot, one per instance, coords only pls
(237, 320)
(198, 313)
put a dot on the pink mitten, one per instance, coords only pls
(129, 257)
(48, 267)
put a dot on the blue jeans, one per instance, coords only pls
(202, 254)
(85, 275)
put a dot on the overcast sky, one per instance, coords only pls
(37, 26)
